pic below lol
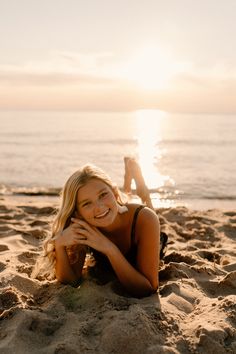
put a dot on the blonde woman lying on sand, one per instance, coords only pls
(125, 237)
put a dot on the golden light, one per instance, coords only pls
(151, 68)
(148, 136)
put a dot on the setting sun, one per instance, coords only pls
(151, 68)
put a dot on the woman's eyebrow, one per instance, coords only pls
(101, 190)
(86, 200)
(83, 201)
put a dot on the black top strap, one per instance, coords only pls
(134, 222)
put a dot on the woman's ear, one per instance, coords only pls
(115, 191)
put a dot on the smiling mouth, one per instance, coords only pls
(100, 216)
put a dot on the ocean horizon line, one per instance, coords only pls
(117, 111)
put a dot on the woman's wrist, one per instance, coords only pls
(58, 241)
(111, 250)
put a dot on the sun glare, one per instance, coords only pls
(150, 68)
(148, 135)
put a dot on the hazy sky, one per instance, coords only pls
(174, 55)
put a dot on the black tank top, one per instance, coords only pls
(103, 262)
(132, 253)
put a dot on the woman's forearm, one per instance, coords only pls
(64, 271)
(135, 282)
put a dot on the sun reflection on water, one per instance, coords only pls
(148, 150)
(149, 153)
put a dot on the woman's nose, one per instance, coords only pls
(99, 205)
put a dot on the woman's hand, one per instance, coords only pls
(69, 236)
(67, 272)
(90, 236)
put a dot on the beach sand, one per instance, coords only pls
(194, 310)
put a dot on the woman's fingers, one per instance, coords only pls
(82, 233)
(82, 223)
(84, 229)
(80, 240)
(88, 235)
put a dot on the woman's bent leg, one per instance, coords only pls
(133, 171)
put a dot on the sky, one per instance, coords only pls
(126, 55)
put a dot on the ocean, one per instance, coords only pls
(186, 159)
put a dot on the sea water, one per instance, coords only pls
(186, 159)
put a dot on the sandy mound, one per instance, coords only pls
(194, 311)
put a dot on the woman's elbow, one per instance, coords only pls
(68, 281)
(144, 292)
(152, 290)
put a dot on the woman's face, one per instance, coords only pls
(96, 203)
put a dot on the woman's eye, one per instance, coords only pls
(102, 195)
(86, 204)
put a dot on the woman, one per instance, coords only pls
(93, 215)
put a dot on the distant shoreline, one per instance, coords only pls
(52, 195)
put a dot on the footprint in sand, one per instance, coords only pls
(193, 224)
(177, 215)
(4, 209)
(8, 299)
(39, 234)
(178, 258)
(23, 284)
(63, 348)
(210, 256)
(211, 339)
(229, 230)
(4, 248)
(8, 217)
(173, 271)
(27, 257)
(8, 231)
(204, 220)
(201, 244)
(39, 211)
(5, 228)
(229, 280)
(25, 269)
(230, 213)
(13, 218)
(43, 324)
(187, 294)
(2, 266)
(33, 236)
(228, 305)
(180, 303)
(38, 223)
(19, 216)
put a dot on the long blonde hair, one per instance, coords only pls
(67, 208)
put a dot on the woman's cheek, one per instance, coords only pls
(111, 198)
(85, 212)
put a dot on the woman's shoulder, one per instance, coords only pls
(146, 221)
(142, 214)
(141, 208)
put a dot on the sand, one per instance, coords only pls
(194, 310)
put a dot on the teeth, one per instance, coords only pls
(103, 214)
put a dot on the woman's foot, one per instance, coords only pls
(133, 171)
